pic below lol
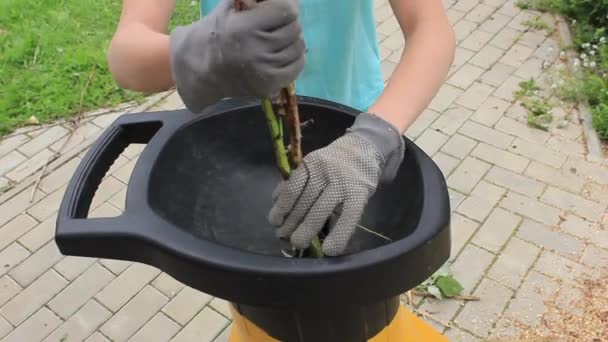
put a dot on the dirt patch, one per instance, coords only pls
(584, 319)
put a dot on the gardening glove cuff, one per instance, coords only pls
(383, 136)
(254, 53)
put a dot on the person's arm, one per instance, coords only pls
(138, 55)
(424, 64)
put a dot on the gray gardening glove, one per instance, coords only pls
(343, 176)
(254, 52)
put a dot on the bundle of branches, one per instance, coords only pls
(287, 107)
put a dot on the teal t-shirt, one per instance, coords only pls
(342, 59)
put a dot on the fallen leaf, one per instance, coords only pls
(33, 121)
(449, 286)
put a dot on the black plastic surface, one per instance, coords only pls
(198, 198)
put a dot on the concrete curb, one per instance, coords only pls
(594, 145)
(68, 155)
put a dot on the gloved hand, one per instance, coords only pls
(254, 52)
(343, 176)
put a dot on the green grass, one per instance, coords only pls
(588, 21)
(48, 50)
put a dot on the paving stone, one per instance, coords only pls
(454, 15)
(186, 304)
(126, 285)
(455, 198)
(35, 328)
(479, 317)
(97, 337)
(561, 268)
(14, 229)
(463, 29)
(514, 262)
(134, 314)
(118, 163)
(592, 171)
(389, 26)
(470, 266)
(446, 95)
(81, 324)
(456, 334)
(533, 39)
(485, 134)
(81, 135)
(29, 166)
(71, 267)
(5, 327)
(497, 229)
(508, 88)
(10, 161)
(119, 200)
(36, 264)
(504, 159)
(549, 238)
(221, 306)
(124, 173)
(387, 69)
(443, 310)
(462, 230)
(548, 50)
(532, 68)
(167, 285)
(109, 187)
(531, 208)
(446, 163)
(394, 41)
(480, 13)
(505, 38)
(570, 202)
(476, 40)
(105, 210)
(384, 52)
(431, 141)
(475, 95)
(59, 177)
(509, 8)
(40, 235)
(395, 56)
(596, 257)
(515, 182)
(204, 327)
(465, 5)
(83, 288)
(423, 121)
(8, 289)
(487, 56)
(528, 305)
(596, 192)
(39, 143)
(11, 256)
(555, 177)
(459, 146)
(11, 143)
(497, 75)
(465, 76)
(522, 131)
(568, 299)
(450, 121)
(106, 120)
(495, 23)
(481, 201)
(468, 174)
(115, 266)
(461, 56)
(586, 230)
(567, 146)
(133, 151)
(48, 206)
(159, 328)
(225, 335)
(538, 152)
(33, 297)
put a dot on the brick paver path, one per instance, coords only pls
(529, 217)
